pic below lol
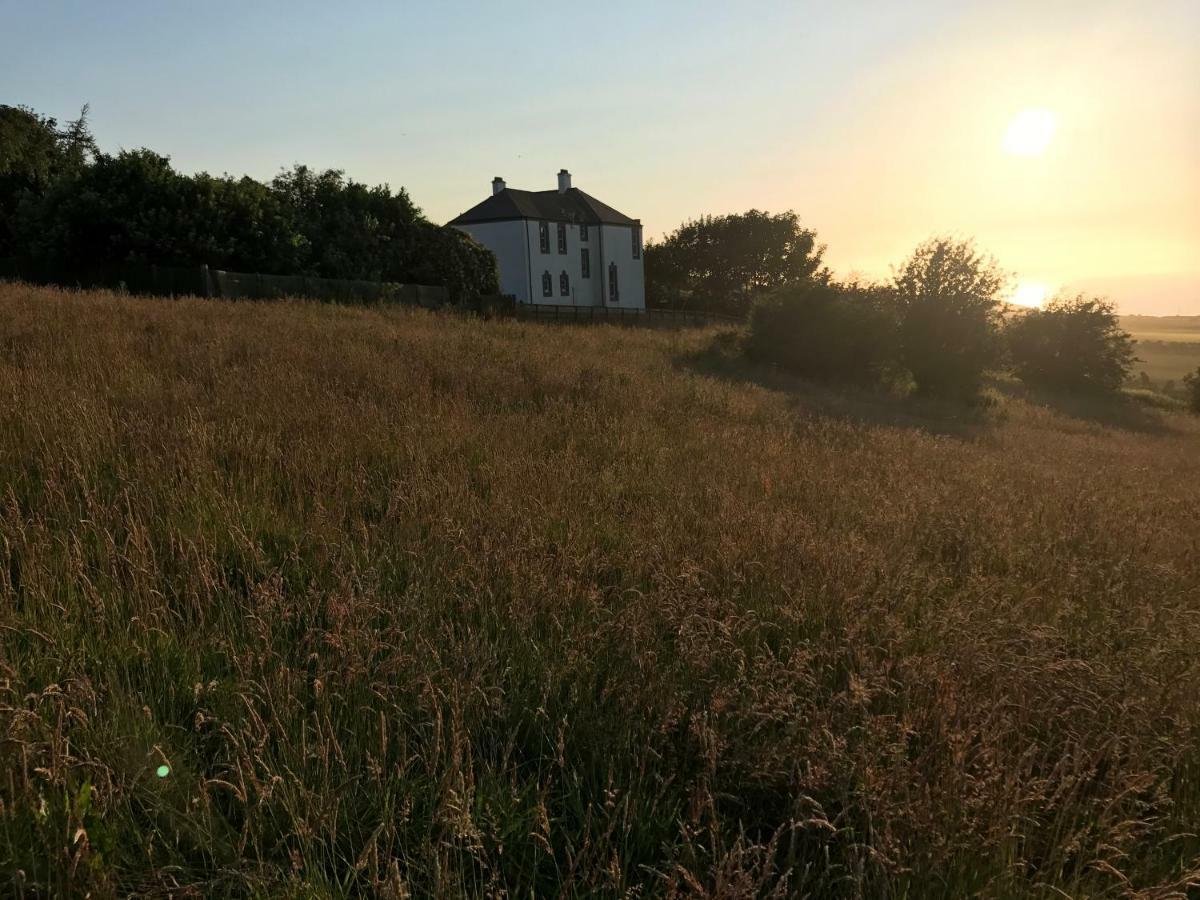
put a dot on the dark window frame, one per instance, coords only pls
(583, 233)
(585, 262)
(637, 242)
(547, 284)
(562, 239)
(614, 287)
(544, 236)
(564, 284)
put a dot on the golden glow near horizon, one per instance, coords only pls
(1030, 132)
(1029, 293)
(1077, 170)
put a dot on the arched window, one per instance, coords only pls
(547, 285)
(614, 292)
(564, 284)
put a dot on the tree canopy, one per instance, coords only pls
(949, 297)
(69, 208)
(722, 263)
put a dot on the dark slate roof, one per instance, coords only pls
(573, 206)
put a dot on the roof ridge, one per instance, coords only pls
(572, 205)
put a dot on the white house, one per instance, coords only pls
(560, 246)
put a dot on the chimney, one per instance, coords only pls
(564, 181)
(497, 185)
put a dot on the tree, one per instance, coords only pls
(722, 263)
(70, 213)
(351, 230)
(948, 297)
(128, 207)
(34, 153)
(1191, 383)
(1074, 343)
(826, 331)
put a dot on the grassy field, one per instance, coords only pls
(306, 601)
(1163, 328)
(1168, 346)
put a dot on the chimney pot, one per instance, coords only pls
(564, 181)
(497, 185)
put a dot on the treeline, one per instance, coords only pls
(66, 207)
(938, 325)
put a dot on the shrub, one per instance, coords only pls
(1191, 383)
(825, 331)
(1073, 343)
(948, 296)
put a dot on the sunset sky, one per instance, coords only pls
(1064, 136)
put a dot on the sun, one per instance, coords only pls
(1029, 293)
(1030, 132)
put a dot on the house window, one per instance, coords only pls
(564, 284)
(637, 242)
(562, 238)
(614, 292)
(547, 285)
(583, 235)
(544, 236)
(585, 262)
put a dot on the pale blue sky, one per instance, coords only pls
(879, 122)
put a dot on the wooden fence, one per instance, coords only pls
(200, 281)
(553, 312)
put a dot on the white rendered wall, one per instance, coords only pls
(631, 278)
(521, 275)
(507, 241)
(584, 291)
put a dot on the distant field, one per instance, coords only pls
(1168, 346)
(1167, 361)
(1163, 328)
(308, 601)
(1191, 337)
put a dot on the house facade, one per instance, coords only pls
(560, 246)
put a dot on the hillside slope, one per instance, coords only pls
(319, 601)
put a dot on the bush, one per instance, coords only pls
(948, 296)
(1073, 343)
(1191, 383)
(825, 331)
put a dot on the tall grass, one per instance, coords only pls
(413, 605)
